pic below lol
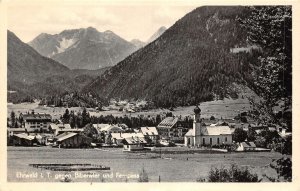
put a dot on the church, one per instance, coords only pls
(202, 135)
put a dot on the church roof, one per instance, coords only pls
(216, 130)
(190, 133)
(211, 130)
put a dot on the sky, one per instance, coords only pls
(129, 21)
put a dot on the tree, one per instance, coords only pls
(287, 147)
(85, 117)
(233, 174)
(12, 119)
(283, 167)
(251, 134)
(239, 135)
(66, 116)
(270, 28)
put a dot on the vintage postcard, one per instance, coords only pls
(115, 94)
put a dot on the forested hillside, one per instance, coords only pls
(191, 62)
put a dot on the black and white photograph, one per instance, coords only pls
(157, 92)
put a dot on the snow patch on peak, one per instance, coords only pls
(64, 44)
(108, 32)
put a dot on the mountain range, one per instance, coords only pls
(87, 48)
(31, 73)
(83, 48)
(197, 59)
(190, 62)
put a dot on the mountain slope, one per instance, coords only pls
(137, 43)
(157, 34)
(27, 65)
(84, 48)
(188, 63)
(31, 75)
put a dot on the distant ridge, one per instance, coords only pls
(84, 48)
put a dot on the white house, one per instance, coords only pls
(246, 146)
(150, 133)
(202, 135)
(63, 128)
(134, 144)
(118, 138)
(107, 128)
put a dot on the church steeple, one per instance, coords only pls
(197, 116)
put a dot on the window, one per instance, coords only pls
(218, 140)
(203, 141)
(225, 139)
(210, 140)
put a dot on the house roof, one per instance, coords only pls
(16, 129)
(248, 144)
(149, 130)
(212, 130)
(123, 125)
(70, 130)
(135, 140)
(100, 125)
(168, 122)
(60, 126)
(25, 136)
(65, 136)
(106, 127)
(190, 133)
(37, 117)
(126, 135)
(111, 128)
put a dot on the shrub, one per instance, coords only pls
(283, 167)
(239, 135)
(233, 174)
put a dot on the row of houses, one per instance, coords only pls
(203, 133)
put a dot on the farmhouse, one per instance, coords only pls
(23, 139)
(246, 146)
(62, 128)
(171, 130)
(12, 131)
(134, 143)
(118, 138)
(151, 134)
(69, 139)
(36, 121)
(107, 128)
(207, 135)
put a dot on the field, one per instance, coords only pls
(166, 167)
(226, 108)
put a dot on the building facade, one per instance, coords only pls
(202, 135)
(150, 134)
(36, 121)
(170, 129)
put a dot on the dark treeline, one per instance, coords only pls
(81, 119)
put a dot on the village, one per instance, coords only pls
(189, 134)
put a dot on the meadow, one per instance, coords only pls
(126, 166)
(227, 108)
